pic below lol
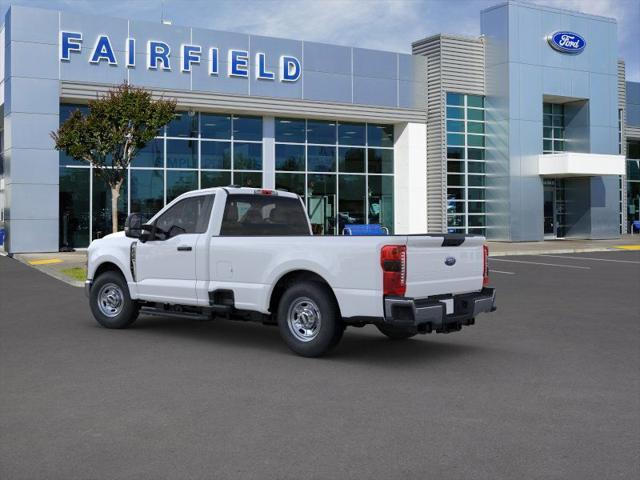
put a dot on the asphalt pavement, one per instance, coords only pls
(546, 387)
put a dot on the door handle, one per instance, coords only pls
(184, 248)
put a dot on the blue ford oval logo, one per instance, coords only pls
(567, 42)
(450, 261)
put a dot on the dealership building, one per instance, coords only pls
(527, 132)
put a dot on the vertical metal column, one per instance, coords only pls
(268, 152)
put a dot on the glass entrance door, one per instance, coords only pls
(555, 208)
(560, 209)
(549, 220)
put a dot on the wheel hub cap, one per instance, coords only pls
(304, 319)
(110, 300)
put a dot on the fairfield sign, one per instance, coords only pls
(159, 56)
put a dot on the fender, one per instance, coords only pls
(292, 266)
(107, 258)
(115, 251)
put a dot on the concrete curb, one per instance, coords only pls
(554, 251)
(51, 273)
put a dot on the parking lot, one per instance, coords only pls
(546, 387)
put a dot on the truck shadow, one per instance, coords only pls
(377, 349)
(359, 345)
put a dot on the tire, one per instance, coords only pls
(110, 302)
(395, 333)
(308, 319)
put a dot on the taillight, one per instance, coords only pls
(485, 267)
(393, 259)
(264, 191)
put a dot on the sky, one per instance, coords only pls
(378, 24)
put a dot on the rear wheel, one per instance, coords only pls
(395, 333)
(110, 302)
(308, 319)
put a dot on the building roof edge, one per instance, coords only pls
(528, 4)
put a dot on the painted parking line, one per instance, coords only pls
(591, 258)
(48, 261)
(540, 263)
(627, 247)
(498, 271)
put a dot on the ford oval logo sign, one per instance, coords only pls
(567, 42)
(450, 261)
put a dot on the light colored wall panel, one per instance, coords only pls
(75, 91)
(410, 186)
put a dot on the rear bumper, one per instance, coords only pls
(426, 315)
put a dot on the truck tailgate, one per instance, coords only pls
(439, 265)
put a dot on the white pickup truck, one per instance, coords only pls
(249, 254)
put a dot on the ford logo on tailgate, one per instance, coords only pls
(450, 261)
(567, 42)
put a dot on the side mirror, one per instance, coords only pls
(146, 232)
(133, 225)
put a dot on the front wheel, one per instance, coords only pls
(308, 319)
(395, 333)
(110, 302)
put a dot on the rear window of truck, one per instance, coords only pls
(263, 215)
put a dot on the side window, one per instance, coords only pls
(257, 215)
(190, 215)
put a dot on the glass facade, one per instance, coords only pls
(621, 179)
(196, 150)
(2, 171)
(554, 208)
(465, 129)
(552, 128)
(633, 182)
(343, 170)
(553, 141)
(74, 206)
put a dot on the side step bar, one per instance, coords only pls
(162, 312)
(202, 313)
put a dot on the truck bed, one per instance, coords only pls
(436, 265)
